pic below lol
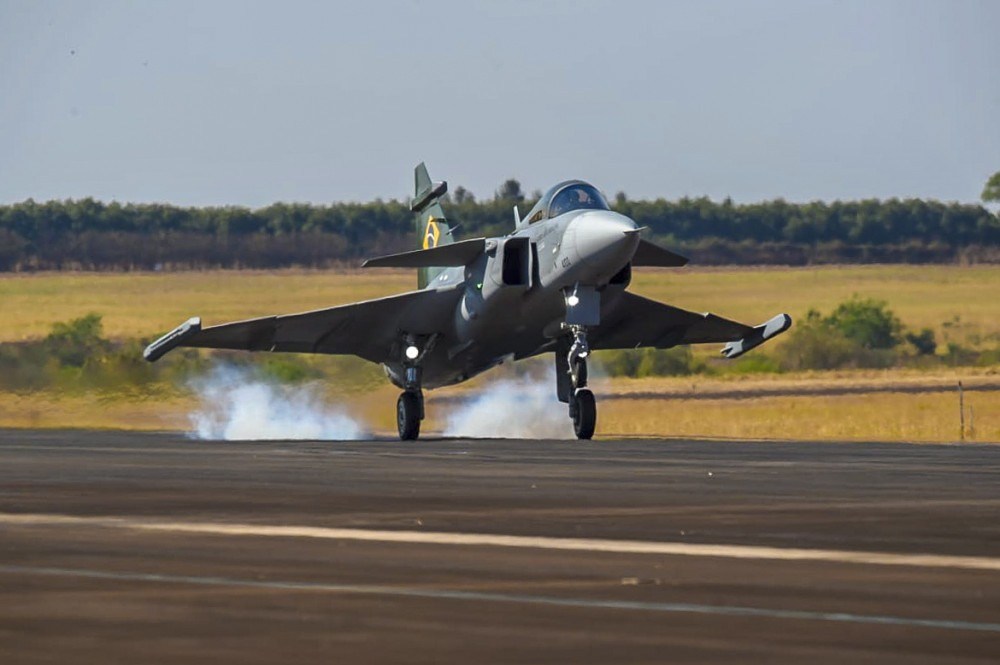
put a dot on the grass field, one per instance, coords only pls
(959, 303)
(929, 417)
(964, 298)
(148, 304)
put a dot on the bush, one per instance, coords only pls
(989, 357)
(814, 344)
(754, 363)
(956, 354)
(76, 356)
(924, 342)
(678, 361)
(25, 366)
(286, 368)
(867, 322)
(817, 343)
(75, 342)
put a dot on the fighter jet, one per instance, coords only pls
(556, 284)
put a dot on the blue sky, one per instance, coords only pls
(248, 103)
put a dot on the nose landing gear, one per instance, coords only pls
(571, 370)
(410, 405)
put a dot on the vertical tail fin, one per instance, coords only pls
(431, 222)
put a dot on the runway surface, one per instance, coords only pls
(123, 547)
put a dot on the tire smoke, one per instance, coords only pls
(523, 408)
(238, 404)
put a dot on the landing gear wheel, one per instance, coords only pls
(584, 414)
(408, 415)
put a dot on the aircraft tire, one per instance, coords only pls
(408, 416)
(585, 420)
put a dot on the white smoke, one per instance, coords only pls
(522, 408)
(239, 405)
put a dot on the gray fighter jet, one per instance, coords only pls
(556, 284)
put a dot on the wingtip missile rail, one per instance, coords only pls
(760, 334)
(172, 339)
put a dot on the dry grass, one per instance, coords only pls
(901, 379)
(93, 410)
(146, 304)
(922, 296)
(929, 417)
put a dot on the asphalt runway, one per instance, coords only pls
(124, 547)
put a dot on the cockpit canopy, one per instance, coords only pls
(565, 197)
(576, 197)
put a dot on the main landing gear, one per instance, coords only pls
(571, 371)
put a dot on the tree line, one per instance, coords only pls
(90, 234)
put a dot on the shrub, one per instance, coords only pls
(924, 342)
(956, 354)
(677, 361)
(817, 343)
(75, 342)
(754, 363)
(867, 322)
(814, 344)
(286, 368)
(25, 366)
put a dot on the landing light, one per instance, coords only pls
(573, 300)
(412, 352)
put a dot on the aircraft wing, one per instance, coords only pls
(460, 253)
(368, 329)
(633, 321)
(650, 254)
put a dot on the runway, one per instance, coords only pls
(123, 547)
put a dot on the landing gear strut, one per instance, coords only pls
(571, 362)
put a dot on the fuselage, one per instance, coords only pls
(525, 277)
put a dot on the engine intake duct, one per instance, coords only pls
(516, 269)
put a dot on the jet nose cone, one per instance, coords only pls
(605, 239)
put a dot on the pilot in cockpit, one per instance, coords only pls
(577, 197)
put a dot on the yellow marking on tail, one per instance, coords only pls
(432, 234)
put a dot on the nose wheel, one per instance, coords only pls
(583, 411)
(408, 415)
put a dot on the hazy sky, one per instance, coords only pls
(249, 103)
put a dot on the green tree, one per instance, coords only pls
(96, 236)
(991, 192)
(510, 190)
(462, 195)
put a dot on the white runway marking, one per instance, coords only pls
(528, 542)
(447, 594)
